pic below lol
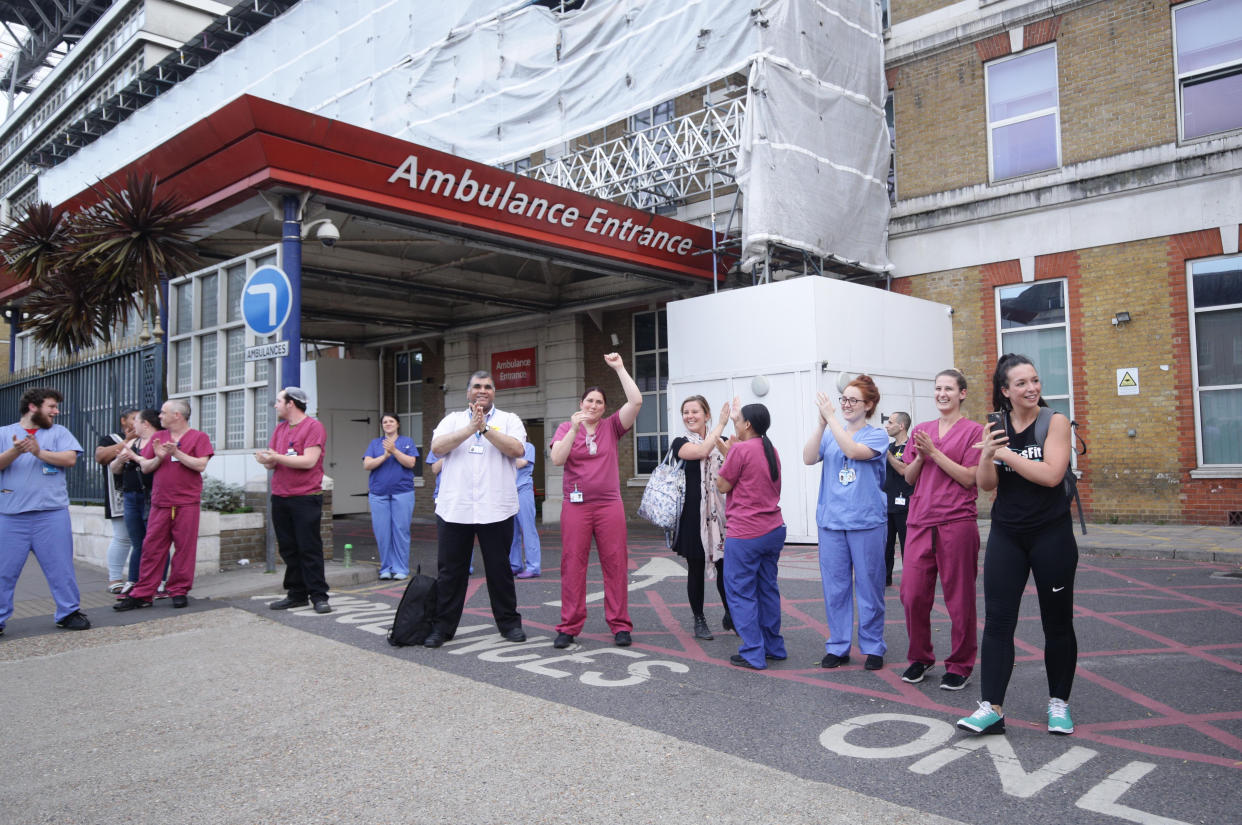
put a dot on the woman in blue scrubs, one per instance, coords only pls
(853, 521)
(390, 460)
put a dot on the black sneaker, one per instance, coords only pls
(623, 638)
(832, 660)
(286, 603)
(130, 603)
(701, 630)
(75, 621)
(323, 607)
(914, 673)
(874, 662)
(180, 601)
(563, 640)
(953, 681)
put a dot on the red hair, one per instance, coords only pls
(867, 389)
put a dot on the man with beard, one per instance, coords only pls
(177, 455)
(34, 505)
(479, 447)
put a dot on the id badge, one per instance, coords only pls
(475, 449)
(592, 448)
(846, 476)
(900, 501)
(291, 452)
(49, 470)
(575, 495)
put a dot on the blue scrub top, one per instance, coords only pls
(390, 478)
(431, 459)
(29, 485)
(861, 504)
(524, 477)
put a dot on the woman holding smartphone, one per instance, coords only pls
(751, 477)
(1032, 534)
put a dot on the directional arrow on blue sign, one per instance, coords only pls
(266, 299)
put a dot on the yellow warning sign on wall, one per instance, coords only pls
(1128, 381)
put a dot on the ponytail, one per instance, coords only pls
(760, 419)
(770, 453)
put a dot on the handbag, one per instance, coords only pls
(665, 495)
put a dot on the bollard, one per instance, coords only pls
(349, 555)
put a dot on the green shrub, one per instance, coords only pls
(226, 498)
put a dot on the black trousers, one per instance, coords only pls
(1051, 556)
(697, 566)
(296, 522)
(456, 544)
(896, 530)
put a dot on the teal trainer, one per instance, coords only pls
(984, 720)
(1059, 720)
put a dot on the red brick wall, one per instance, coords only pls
(1204, 501)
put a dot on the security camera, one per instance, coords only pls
(328, 234)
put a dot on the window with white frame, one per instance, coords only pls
(1216, 315)
(409, 394)
(1033, 321)
(1024, 133)
(1208, 51)
(651, 374)
(208, 354)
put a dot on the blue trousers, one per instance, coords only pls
(137, 507)
(525, 534)
(49, 535)
(851, 562)
(390, 519)
(754, 598)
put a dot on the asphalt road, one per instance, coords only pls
(1157, 701)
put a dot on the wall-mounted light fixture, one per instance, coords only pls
(1121, 318)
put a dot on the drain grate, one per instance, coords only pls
(1235, 518)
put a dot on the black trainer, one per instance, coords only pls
(953, 681)
(130, 603)
(832, 660)
(286, 603)
(914, 673)
(563, 640)
(622, 638)
(75, 621)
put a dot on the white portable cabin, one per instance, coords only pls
(780, 343)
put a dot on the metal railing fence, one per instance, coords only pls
(95, 392)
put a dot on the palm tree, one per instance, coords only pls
(88, 269)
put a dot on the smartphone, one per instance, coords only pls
(996, 422)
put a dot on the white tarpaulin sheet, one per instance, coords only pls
(492, 81)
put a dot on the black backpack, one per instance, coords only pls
(412, 624)
(1069, 484)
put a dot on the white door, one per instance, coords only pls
(349, 433)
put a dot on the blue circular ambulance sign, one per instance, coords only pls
(266, 299)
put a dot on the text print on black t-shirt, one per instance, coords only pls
(1035, 452)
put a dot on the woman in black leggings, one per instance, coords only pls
(1031, 534)
(700, 533)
